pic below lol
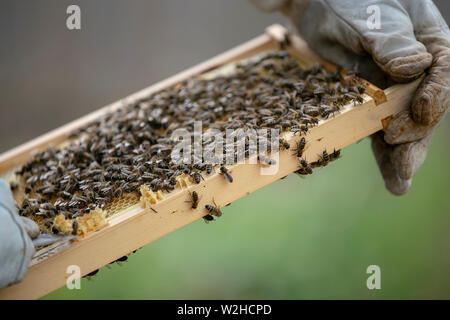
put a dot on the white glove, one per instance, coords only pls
(413, 39)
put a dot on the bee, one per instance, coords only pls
(74, 227)
(156, 184)
(13, 186)
(207, 218)
(266, 160)
(209, 168)
(285, 42)
(361, 88)
(358, 99)
(118, 192)
(65, 194)
(323, 159)
(167, 186)
(284, 144)
(352, 73)
(335, 155)
(227, 175)
(304, 129)
(49, 223)
(173, 180)
(187, 170)
(134, 186)
(148, 176)
(305, 167)
(300, 147)
(200, 166)
(304, 171)
(310, 121)
(121, 259)
(194, 199)
(196, 176)
(325, 156)
(311, 111)
(303, 163)
(308, 170)
(32, 180)
(326, 112)
(213, 209)
(300, 130)
(91, 274)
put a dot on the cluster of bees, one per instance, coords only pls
(130, 147)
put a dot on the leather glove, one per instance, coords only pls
(413, 38)
(18, 237)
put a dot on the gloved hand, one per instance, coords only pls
(18, 237)
(413, 38)
(16, 247)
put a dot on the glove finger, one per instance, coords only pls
(406, 58)
(392, 45)
(382, 152)
(407, 158)
(432, 98)
(433, 95)
(402, 129)
(30, 227)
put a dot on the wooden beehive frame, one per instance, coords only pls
(136, 227)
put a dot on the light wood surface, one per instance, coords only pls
(137, 227)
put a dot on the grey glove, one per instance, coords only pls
(16, 247)
(18, 238)
(413, 39)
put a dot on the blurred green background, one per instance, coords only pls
(309, 238)
(297, 238)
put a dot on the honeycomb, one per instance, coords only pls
(183, 181)
(125, 201)
(122, 203)
(149, 197)
(89, 222)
